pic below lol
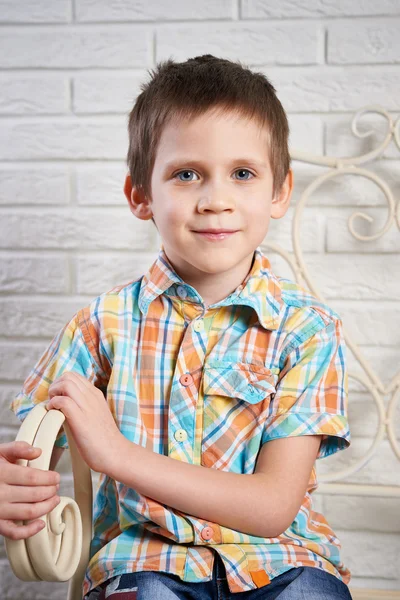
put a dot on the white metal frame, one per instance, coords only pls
(331, 484)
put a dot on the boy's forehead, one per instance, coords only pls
(179, 135)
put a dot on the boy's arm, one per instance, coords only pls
(262, 504)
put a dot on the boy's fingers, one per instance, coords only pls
(12, 451)
(20, 532)
(28, 511)
(29, 476)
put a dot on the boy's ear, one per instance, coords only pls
(138, 203)
(280, 202)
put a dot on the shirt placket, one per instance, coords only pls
(186, 404)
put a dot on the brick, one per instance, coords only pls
(21, 357)
(381, 360)
(35, 11)
(9, 421)
(363, 415)
(287, 9)
(75, 46)
(312, 232)
(30, 95)
(66, 139)
(75, 229)
(367, 554)
(38, 318)
(364, 42)
(101, 184)
(106, 92)
(181, 10)
(384, 360)
(29, 274)
(29, 184)
(306, 132)
(382, 468)
(259, 44)
(332, 88)
(362, 513)
(371, 323)
(94, 276)
(365, 277)
(7, 392)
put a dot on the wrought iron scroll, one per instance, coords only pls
(369, 379)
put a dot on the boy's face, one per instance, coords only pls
(211, 173)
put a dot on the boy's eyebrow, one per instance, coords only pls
(177, 162)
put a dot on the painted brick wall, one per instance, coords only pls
(69, 72)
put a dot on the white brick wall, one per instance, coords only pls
(69, 71)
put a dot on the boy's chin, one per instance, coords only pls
(214, 263)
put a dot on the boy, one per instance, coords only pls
(223, 382)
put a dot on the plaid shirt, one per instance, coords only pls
(207, 386)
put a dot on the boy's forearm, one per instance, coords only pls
(244, 503)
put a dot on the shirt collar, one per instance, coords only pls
(260, 289)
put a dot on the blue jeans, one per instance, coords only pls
(300, 583)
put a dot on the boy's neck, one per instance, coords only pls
(214, 287)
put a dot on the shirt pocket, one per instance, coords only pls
(237, 402)
(244, 381)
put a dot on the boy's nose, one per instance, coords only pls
(217, 201)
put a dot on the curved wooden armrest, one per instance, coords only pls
(60, 551)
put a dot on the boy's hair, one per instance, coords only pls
(186, 90)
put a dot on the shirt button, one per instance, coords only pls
(207, 533)
(182, 293)
(186, 379)
(180, 435)
(198, 325)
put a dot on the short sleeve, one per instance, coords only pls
(312, 392)
(66, 352)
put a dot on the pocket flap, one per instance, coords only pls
(246, 381)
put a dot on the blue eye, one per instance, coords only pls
(180, 173)
(244, 171)
(189, 171)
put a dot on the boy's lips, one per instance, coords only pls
(216, 234)
(215, 230)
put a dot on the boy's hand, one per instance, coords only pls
(25, 492)
(89, 418)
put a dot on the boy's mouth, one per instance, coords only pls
(216, 234)
(212, 230)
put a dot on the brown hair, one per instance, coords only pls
(186, 90)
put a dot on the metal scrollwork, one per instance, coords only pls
(369, 380)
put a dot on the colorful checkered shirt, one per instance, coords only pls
(268, 361)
